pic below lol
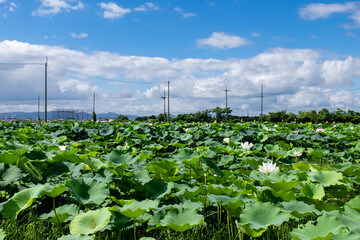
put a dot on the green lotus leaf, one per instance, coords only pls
(281, 185)
(156, 188)
(181, 219)
(36, 154)
(64, 214)
(9, 175)
(315, 154)
(225, 159)
(354, 203)
(326, 227)
(346, 236)
(299, 209)
(351, 219)
(88, 192)
(214, 167)
(54, 190)
(2, 234)
(313, 191)
(68, 156)
(21, 200)
(231, 204)
(187, 155)
(187, 204)
(294, 137)
(90, 222)
(142, 176)
(135, 208)
(106, 131)
(147, 238)
(59, 168)
(76, 237)
(301, 166)
(326, 178)
(8, 158)
(15, 145)
(118, 158)
(261, 215)
(248, 230)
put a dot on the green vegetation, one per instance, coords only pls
(124, 180)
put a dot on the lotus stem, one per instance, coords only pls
(57, 217)
(134, 229)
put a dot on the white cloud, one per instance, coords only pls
(321, 10)
(146, 7)
(112, 10)
(255, 34)
(52, 7)
(79, 35)
(7, 6)
(184, 14)
(222, 40)
(292, 78)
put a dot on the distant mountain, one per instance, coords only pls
(57, 115)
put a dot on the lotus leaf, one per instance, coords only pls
(354, 203)
(9, 175)
(76, 237)
(88, 192)
(326, 178)
(261, 215)
(90, 222)
(313, 191)
(118, 158)
(135, 208)
(299, 209)
(21, 200)
(181, 219)
(326, 227)
(2, 234)
(64, 214)
(8, 158)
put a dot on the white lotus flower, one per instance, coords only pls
(227, 140)
(62, 148)
(126, 147)
(150, 124)
(246, 146)
(320, 130)
(297, 154)
(268, 167)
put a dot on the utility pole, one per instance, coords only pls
(39, 108)
(262, 100)
(168, 116)
(46, 64)
(226, 102)
(164, 105)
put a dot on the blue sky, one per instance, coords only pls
(305, 53)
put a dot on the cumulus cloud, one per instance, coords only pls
(322, 10)
(112, 10)
(79, 35)
(184, 14)
(7, 6)
(52, 7)
(146, 7)
(291, 78)
(221, 40)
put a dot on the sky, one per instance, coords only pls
(305, 54)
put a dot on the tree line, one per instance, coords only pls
(224, 115)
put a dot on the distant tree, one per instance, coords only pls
(323, 116)
(220, 113)
(161, 117)
(122, 118)
(94, 117)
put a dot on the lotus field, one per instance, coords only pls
(85, 180)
